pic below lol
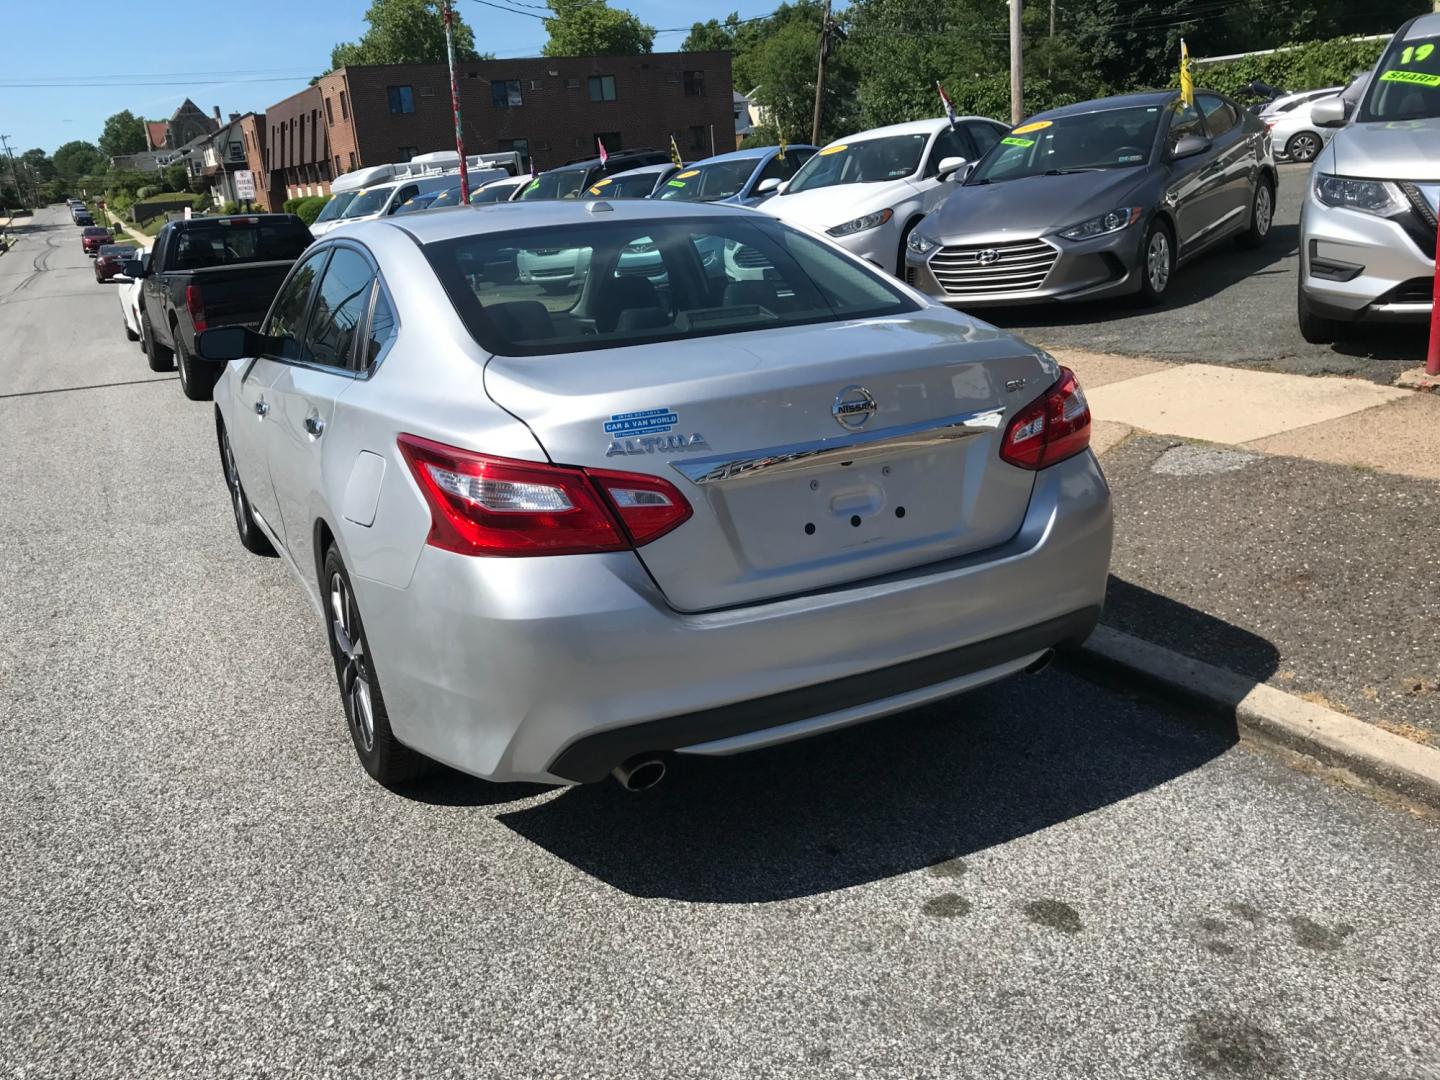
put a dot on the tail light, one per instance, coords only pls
(195, 304)
(1052, 428)
(483, 505)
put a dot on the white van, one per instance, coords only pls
(380, 190)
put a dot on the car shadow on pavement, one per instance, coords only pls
(1212, 273)
(890, 797)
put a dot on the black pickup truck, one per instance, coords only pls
(212, 271)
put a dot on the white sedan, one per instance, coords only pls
(867, 191)
(129, 293)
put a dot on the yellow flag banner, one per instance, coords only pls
(675, 154)
(1187, 84)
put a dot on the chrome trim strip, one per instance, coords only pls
(1406, 308)
(799, 456)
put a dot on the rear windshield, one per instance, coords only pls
(97, 231)
(558, 184)
(122, 251)
(231, 241)
(623, 186)
(336, 206)
(598, 285)
(1406, 83)
(493, 193)
(706, 183)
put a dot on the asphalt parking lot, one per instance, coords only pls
(1046, 878)
(1228, 307)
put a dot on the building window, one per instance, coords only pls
(344, 107)
(338, 170)
(697, 138)
(329, 111)
(408, 152)
(523, 146)
(694, 84)
(611, 139)
(402, 99)
(505, 93)
(352, 160)
(602, 87)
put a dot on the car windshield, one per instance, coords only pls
(369, 201)
(1406, 84)
(556, 184)
(227, 241)
(493, 193)
(118, 251)
(706, 183)
(864, 161)
(335, 207)
(449, 197)
(418, 203)
(623, 186)
(1079, 142)
(596, 285)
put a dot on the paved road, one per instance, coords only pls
(1045, 879)
(1229, 307)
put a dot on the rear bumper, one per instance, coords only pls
(557, 669)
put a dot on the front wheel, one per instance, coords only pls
(1262, 215)
(1157, 263)
(383, 756)
(1316, 329)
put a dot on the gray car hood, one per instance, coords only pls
(1400, 150)
(1034, 205)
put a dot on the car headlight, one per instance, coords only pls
(1109, 222)
(919, 244)
(860, 224)
(1368, 196)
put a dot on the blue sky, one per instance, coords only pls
(265, 51)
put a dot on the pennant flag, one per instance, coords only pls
(781, 155)
(674, 154)
(945, 100)
(1187, 85)
(604, 157)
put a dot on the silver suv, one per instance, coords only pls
(1368, 227)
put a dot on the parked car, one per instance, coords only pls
(638, 183)
(1102, 198)
(869, 190)
(83, 217)
(110, 261)
(763, 529)
(569, 181)
(499, 190)
(94, 237)
(220, 269)
(1368, 222)
(747, 177)
(417, 203)
(386, 199)
(331, 212)
(129, 293)
(1294, 135)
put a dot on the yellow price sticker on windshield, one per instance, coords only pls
(602, 183)
(1038, 125)
(837, 148)
(687, 174)
(1418, 78)
(1009, 141)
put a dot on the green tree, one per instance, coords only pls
(124, 133)
(174, 178)
(76, 159)
(594, 28)
(745, 37)
(405, 32)
(782, 67)
(39, 165)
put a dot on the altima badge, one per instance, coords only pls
(651, 443)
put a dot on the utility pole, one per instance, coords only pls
(1052, 17)
(455, 108)
(1017, 66)
(820, 74)
(14, 168)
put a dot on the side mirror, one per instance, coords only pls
(949, 166)
(768, 186)
(1331, 112)
(1189, 146)
(226, 343)
(134, 268)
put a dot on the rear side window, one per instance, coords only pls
(1219, 116)
(599, 286)
(226, 244)
(340, 305)
(984, 136)
(381, 329)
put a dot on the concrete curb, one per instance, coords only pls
(1377, 755)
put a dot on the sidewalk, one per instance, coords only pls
(1283, 527)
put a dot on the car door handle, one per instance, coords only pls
(315, 426)
(262, 407)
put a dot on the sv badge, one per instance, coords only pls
(650, 444)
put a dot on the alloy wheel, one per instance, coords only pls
(1157, 261)
(1264, 210)
(355, 669)
(1304, 147)
(232, 481)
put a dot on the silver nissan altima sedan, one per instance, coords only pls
(729, 488)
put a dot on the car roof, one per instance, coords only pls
(751, 152)
(448, 224)
(913, 127)
(1423, 26)
(1119, 101)
(642, 170)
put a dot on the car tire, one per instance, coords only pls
(1262, 215)
(197, 381)
(130, 335)
(1303, 147)
(383, 756)
(1316, 329)
(160, 358)
(252, 537)
(1157, 263)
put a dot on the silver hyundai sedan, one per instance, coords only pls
(730, 488)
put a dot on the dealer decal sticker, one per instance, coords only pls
(646, 422)
(1012, 141)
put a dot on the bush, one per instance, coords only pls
(1309, 65)
(146, 192)
(291, 205)
(309, 209)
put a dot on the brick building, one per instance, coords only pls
(550, 109)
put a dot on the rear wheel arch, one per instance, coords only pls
(905, 231)
(324, 536)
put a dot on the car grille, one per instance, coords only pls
(1018, 267)
(1414, 291)
(1421, 222)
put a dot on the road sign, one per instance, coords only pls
(244, 186)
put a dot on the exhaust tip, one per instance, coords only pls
(639, 773)
(1040, 663)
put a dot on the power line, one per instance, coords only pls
(121, 85)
